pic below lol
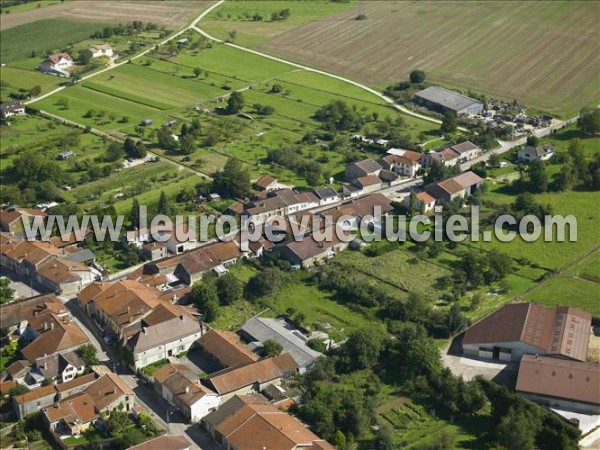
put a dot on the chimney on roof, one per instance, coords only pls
(187, 389)
(145, 330)
(45, 326)
(182, 317)
(52, 325)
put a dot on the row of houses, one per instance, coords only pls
(144, 321)
(242, 378)
(551, 346)
(49, 341)
(61, 269)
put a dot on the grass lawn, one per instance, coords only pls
(151, 87)
(552, 255)
(320, 309)
(568, 290)
(82, 100)
(151, 368)
(398, 270)
(44, 36)
(16, 78)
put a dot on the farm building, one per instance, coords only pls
(558, 383)
(146, 122)
(364, 168)
(527, 328)
(443, 100)
(266, 183)
(12, 109)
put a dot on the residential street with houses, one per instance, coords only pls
(145, 396)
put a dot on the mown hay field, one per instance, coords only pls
(544, 54)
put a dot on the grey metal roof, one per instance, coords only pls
(281, 331)
(81, 256)
(447, 99)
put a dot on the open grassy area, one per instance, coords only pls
(44, 36)
(553, 68)
(397, 270)
(237, 16)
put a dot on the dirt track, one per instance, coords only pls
(168, 13)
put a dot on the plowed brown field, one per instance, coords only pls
(545, 54)
(169, 13)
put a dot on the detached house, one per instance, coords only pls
(402, 165)
(11, 109)
(466, 150)
(529, 153)
(101, 50)
(57, 64)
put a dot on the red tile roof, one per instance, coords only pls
(572, 380)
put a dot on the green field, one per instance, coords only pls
(232, 16)
(162, 90)
(42, 37)
(16, 78)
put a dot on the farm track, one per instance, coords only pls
(383, 97)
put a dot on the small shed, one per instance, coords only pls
(146, 122)
(65, 155)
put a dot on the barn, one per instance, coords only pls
(527, 328)
(443, 100)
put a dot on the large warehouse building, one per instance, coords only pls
(443, 100)
(526, 328)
